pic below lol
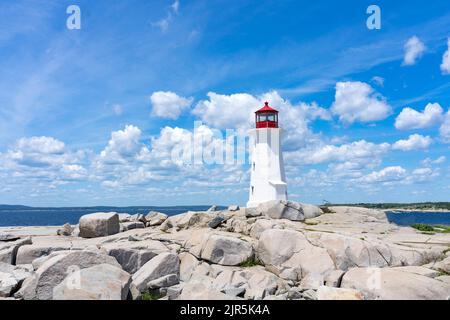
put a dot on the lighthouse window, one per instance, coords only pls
(253, 166)
(253, 189)
(271, 117)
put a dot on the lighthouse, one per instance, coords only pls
(268, 181)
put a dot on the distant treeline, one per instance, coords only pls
(407, 206)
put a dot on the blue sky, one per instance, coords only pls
(91, 116)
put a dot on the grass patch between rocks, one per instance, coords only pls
(430, 229)
(251, 262)
(151, 295)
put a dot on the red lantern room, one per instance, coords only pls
(266, 117)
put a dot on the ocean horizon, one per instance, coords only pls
(24, 216)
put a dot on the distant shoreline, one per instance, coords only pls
(396, 210)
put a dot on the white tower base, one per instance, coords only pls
(268, 180)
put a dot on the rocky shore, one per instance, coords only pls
(280, 250)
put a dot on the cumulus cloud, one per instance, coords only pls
(397, 175)
(444, 130)
(412, 119)
(414, 142)
(236, 111)
(428, 161)
(169, 105)
(122, 145)
(445, 66)
(227, 111)
(414, 48)
(355, 152)
(42, 158)
(386, 175)
(44, 145)
(357, 101)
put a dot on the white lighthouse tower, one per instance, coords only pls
(268, 181)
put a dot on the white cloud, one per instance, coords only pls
(412, 119)
(444, 130)
(227, 111)
(397, 175)
(445, 66)
(358, 151)
(236, 111)
(386, 175)
(41, 159)
(421, 175)
(378, 80)
(357, 101)
(428, 161)
(44, 145)
(123, 144)
(414, 142)
(164, 23)
(169, 105)
(414, 49)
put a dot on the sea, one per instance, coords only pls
(11, 217)
(25, 217)
(409, 218)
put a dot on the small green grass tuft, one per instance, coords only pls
(431, 229)
(311, 223)
(251, 262)
(151, 295)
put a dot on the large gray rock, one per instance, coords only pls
(261, 283)
(260, 226)
(224, 250)
(188, 263)
(292, 255)
(53, 271)
(394, 284)
(99, 224)
(155, 218)
(443, 266)
(66, 230)
(8, 250)
(125, 226)
(187, 220)
(348, 252)
(28, 253)
(162, 265)
(18, 272)
(280, 209)
(100, 282)
(7, 284)
(164, 282)
(131, 259)
(124, 217)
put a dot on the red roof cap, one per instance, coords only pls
(266, 108)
